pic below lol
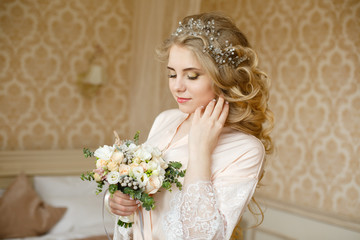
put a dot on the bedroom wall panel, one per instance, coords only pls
(44, 47)
(311, 51)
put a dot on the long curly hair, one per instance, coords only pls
(245, 87)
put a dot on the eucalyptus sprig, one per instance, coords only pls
(88, 153)
(172, 173)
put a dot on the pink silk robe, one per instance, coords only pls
(204, 210)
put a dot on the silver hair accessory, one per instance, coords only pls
(221, 56)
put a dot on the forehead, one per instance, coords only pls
(182, 57)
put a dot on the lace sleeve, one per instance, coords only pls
(195, 214)
(206, 211)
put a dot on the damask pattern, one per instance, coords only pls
(311, 51)
(309, 48)
(44, 46)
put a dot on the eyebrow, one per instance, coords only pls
(186, 69)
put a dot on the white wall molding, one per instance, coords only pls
(337, 220)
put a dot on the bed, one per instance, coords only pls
(43, 197)
(50, 180)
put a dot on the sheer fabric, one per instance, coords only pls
(203, 209)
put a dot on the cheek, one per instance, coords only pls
(206, 94)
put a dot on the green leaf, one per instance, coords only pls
(124, 224)
(166, 185)
(89, 176)
(136, 137)
(113, 188)
(176, 165)
(88, 153)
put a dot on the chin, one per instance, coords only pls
(186, 109)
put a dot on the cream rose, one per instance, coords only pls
(144, 166)
(113, 166)
(124, 169)
(117, 156)
(153, 185)
(97, 177)
(101, 163)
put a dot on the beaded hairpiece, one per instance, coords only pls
(221, 56)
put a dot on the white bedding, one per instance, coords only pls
(84, 215)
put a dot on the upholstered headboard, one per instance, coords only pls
(42, 163)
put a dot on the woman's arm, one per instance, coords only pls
(208, 209)
(203, 138)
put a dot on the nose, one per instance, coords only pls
(179, 84)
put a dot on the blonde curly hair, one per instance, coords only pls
(245, 86)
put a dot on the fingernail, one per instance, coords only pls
(131, 198)
(138, 202)
(214, 100)
(227, 102)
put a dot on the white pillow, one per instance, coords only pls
(84, 207)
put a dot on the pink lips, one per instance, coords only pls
(182, 100)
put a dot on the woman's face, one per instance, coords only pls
(190, 85)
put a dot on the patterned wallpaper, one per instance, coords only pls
(311, 51)
(44, 46)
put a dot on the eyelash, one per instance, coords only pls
(190, 78)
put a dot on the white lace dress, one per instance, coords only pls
(204, 209)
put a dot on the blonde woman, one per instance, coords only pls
(220, 133)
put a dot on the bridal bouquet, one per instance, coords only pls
(137, 170)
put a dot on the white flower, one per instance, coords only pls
(142, 179)
(138, 172)
(157, 152)
(162, 162)
(132, 147)
(143, 154)
(117, 156)
(113, 177)
(153, 185)
(104, 152)
(153, 165)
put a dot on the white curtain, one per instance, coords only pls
(154, 20)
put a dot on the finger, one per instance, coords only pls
(197, 114)
(218, 108)
(123, 199)
(224, 114)
(209, 108)
(121, 211)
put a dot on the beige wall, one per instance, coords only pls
(44, 46)
(310, 49)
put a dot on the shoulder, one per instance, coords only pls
(239, 153)
(241, 140)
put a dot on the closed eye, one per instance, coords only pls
(193, 76)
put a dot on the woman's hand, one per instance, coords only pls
(206, 127)
(205, 130)
(121, 204)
